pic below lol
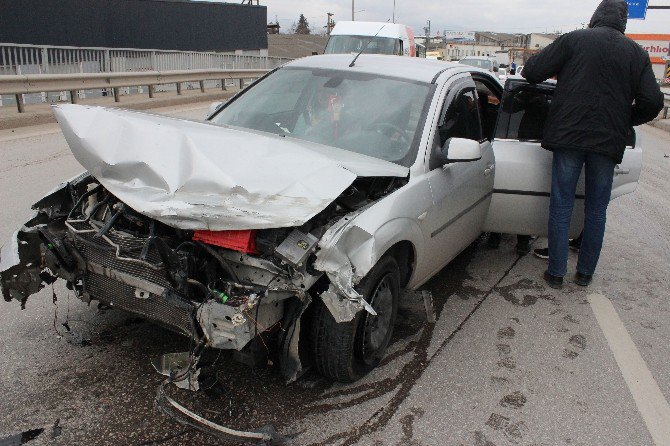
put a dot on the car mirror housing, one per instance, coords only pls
(460, 150)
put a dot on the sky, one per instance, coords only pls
(515, 16)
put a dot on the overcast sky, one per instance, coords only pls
(523, 16)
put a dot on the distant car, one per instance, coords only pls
(485, 63)
(502, 74)
(293, 218)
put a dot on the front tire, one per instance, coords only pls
(346, 352)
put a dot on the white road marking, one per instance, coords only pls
(648, 397)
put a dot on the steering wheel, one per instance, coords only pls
(397, 136)
(391, 131)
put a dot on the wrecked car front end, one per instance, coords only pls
(221, 286)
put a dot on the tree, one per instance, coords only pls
(303, 26)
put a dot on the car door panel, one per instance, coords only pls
(461, 193)
(522, 187)
(521, 191)
(627, 174)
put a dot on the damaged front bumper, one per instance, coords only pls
(139, 275)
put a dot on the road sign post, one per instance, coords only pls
(637, 9)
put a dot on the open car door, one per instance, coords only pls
(522, 186)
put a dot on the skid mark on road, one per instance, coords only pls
(648, 397)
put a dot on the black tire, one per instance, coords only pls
(347, 351)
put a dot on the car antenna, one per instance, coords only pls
(353, 62)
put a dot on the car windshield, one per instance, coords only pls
(354, 44)
(363, 113)
(479, 63)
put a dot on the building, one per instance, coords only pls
(486, 44)
(541, 41)
(657, 46)
(140, 24)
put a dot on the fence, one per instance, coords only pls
(18, 59)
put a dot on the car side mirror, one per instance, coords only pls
(212, 108)
(460, 150)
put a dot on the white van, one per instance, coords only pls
(372, 38)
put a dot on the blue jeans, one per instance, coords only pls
(566, 170)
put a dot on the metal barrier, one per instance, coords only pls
(23, 59)
(44, 59)
(18, 85)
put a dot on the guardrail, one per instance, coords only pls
(18, 85)
(45, 59)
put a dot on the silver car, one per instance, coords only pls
(297, 214)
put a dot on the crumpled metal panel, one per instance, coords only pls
(196, 175)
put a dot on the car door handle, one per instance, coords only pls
(619, 171)
(489, 170)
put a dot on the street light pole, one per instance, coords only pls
(352, 10)
(393, 11)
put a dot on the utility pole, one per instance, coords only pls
(393, 11)
(352, 11)
(428, 38)
(329, 23)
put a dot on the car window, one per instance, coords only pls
(524, 113)
(367, 44)
(489, 105)
(368, 114)
(461, 119)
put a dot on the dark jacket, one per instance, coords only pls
(605, 85)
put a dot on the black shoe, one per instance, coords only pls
(575, 244)
(494, 240)
(542, 253)
(523, 243)
(554, 282)
(583, 279)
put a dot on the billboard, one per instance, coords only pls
(459, 36)
(657, 45)
(145, 24)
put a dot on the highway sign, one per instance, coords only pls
(637, 9)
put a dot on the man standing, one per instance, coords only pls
(605, 86)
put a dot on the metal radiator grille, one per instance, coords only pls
(172, 312)
(105, 255)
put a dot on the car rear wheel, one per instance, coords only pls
(347, 351)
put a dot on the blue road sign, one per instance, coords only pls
(637, 9)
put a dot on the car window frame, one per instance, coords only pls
(494, 87)
(455, 90)
(512, 88)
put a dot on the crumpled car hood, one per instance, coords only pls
(196, 175)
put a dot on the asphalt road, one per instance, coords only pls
(508, 362)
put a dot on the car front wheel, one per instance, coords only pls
(347, 351)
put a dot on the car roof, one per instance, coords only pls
(380, 29)
(410, 68)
